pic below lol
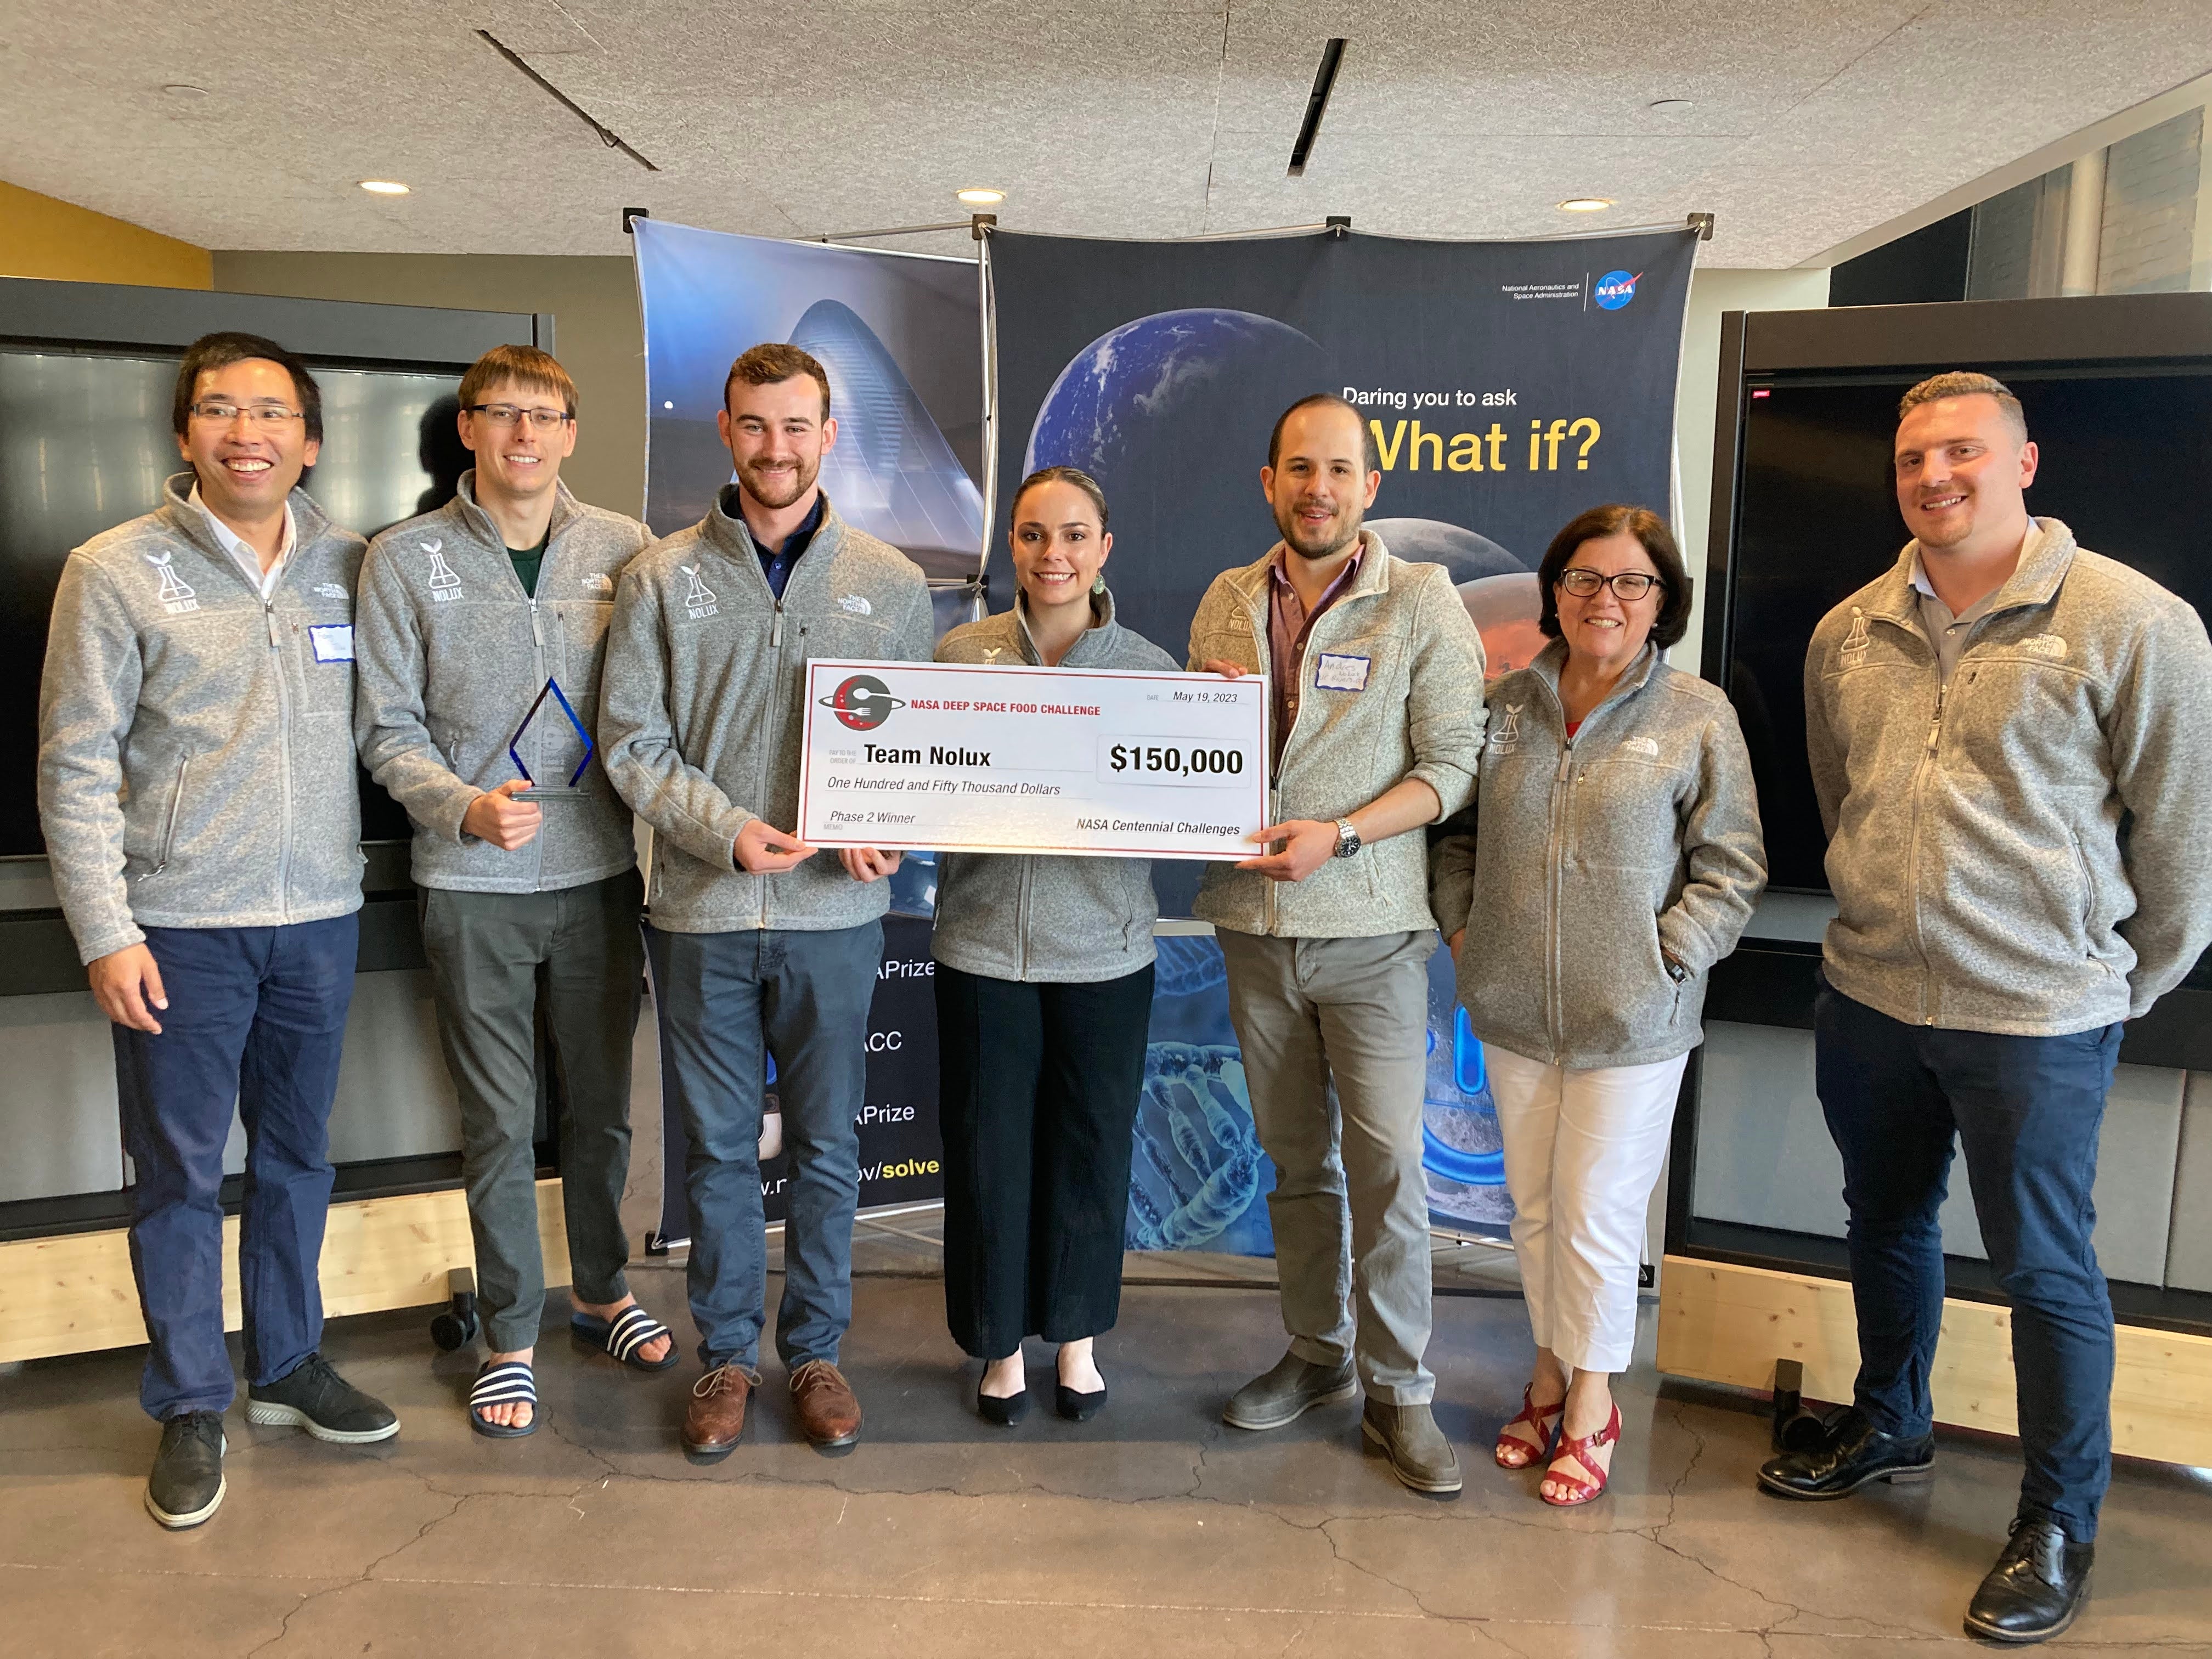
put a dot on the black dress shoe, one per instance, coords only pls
(1078, 1407)
(1850, 1452)
(2036, 1588)
(1005, 1410)
(187, 1484)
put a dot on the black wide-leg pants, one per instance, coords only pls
(1038, 1087)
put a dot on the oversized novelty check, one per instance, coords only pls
(1009, 759)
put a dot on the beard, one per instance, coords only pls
(778, 490)
(1324, 541)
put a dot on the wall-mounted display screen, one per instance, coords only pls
(2125, 454)
(85, 443)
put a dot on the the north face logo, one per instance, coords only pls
(176, 596)
(858, 605)
(329, 590)
(598, 583)
(698, 598)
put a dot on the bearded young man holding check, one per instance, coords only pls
(1377, 675)
(760, 944)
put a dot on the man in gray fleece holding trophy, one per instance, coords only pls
(1376, 723)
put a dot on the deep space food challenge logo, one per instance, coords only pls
(862, 702)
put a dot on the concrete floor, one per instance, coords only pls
(1154, 1530)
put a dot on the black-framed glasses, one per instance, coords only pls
(1628, 585)
(509, 414)
(222, 414)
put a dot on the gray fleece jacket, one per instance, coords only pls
(452, 654)
(2024, 851)
(1401, 632)
(196, 758)
(1044, 917)
(701, 716)
(1583, 857)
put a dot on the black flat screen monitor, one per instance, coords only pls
(85, 443)
(2125, 456)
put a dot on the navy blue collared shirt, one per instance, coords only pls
(777, 565)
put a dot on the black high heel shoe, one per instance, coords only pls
(1003, 1410)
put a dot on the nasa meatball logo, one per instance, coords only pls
(863, 703)
(1615, 289)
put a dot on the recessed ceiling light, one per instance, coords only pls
(384, 188)
(982, 196)
(1585, 204)
(1672, 106)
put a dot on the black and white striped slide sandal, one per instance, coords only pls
(510, 1383)
(623, 1335)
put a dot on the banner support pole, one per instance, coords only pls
(981, 227)
(1702, 224)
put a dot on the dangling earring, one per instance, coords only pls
(1098, 583)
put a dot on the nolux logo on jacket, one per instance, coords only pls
(698, 598)
(177, 596)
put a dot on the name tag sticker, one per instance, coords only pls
(333, 641)
(1335, 673)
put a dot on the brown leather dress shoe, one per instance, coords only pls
(716, 1417)
(828, 1415)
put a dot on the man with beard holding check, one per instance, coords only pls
(760, 945)
(1376, 727)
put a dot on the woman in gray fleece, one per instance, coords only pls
(1044, 989)
(1618, 859)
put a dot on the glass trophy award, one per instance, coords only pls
(543, 791)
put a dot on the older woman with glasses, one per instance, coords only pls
(1617, 856)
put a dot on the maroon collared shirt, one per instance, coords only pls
(1288, 626)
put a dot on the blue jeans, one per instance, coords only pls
(2027, 1111)
(724, 1002)
(256, 1016)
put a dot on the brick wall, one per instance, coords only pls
(2151, 192)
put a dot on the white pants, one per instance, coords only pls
(1583, 1151)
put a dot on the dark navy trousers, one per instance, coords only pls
(256, 1017)
(2027, 1111)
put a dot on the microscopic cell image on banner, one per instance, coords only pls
(899, 335)
(1505, 387)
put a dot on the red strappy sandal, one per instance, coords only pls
(1577, 1451)
(1511, 1451)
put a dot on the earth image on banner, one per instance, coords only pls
(1152, 378)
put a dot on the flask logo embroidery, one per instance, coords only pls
(698, 598)
(176, 596)
(444, 584)
(1506, 736)
(1855, 642)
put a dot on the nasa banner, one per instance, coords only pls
(901, 1157)
(900, 336)
(1507, 386)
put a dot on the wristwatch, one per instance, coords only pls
(1675, 971)
(1347, 838)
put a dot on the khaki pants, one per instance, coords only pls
(1334, 1032)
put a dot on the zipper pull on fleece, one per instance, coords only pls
(268, 615)
(537, 637)
(775, 629)
(1935, 723)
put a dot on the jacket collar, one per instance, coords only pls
(727, 533)
(1552, 658)
(470, 513)
(2045, 559)
(310, 523)
(1095, 642)
(1373, 576)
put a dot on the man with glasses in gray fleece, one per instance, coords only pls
(196, 790)
(1376, 673)
(493, 607)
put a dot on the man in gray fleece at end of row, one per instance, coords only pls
(761, 947)
(2011, 739)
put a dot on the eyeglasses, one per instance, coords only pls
(507, 415)
(1628, 585)
(259, 414)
